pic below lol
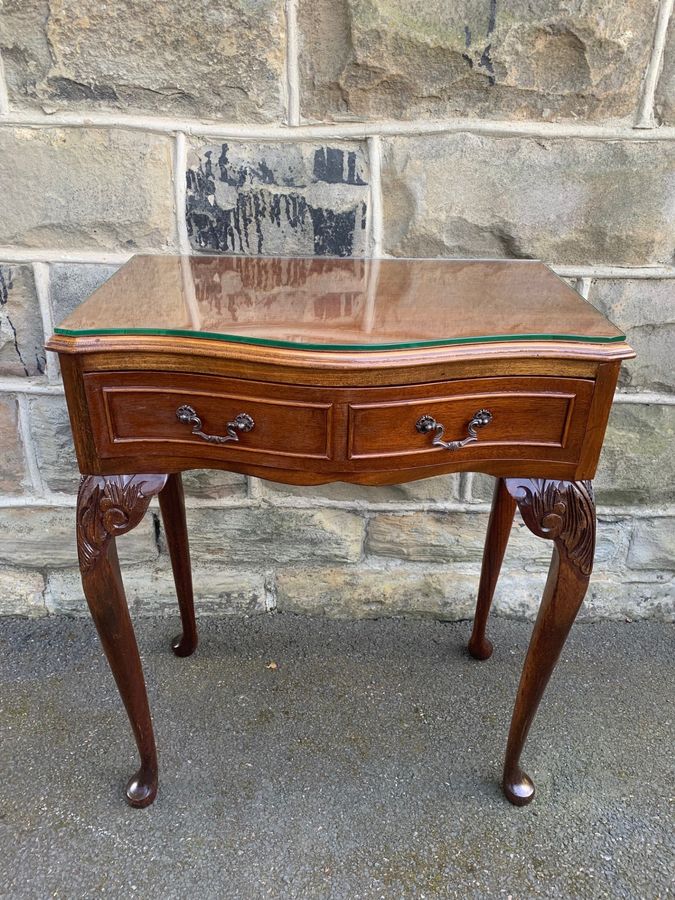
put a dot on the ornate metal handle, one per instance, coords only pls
(242, 422)
(480, 419)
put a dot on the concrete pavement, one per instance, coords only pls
(365, 765)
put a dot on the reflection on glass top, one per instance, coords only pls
(334, 304)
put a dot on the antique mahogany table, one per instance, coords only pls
(308, 371)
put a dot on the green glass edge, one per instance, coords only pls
(399, 345)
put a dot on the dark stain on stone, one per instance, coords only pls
(329, 165)
(493, 17)
(68, 89)
(333, 231)
(16, 345)
(5, 288)
(5, 284)
(157, 532)
(486, 63)
(238, 176)
(242, 226)
(485, 59)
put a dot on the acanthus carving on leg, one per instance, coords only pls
(108, 506)
(564, 512)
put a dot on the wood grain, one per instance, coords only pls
(326, 415)
(336, 433)
(331, 303)
(563, 512)
(106, 508)
(496, 540)
(172, 505)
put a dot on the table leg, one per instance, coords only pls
(172, 505)
(499, 529)
(564, 512)
(106, 507)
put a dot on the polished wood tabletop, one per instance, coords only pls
(340, 303)
(308, 371)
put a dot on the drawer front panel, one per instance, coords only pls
(332, 429)
(138, 411)
(538, 418)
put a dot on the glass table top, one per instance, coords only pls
(339, 304)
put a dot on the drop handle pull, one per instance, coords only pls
(425, 424)
(241, 423)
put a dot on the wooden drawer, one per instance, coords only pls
(334, 430)
(136, 413)
(531, 418)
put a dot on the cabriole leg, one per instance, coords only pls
(564, 512)
(499, 528)
(106, 507)
(172, 505)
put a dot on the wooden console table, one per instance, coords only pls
(308, 371)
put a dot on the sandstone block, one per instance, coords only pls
(71, 284)
(645, 310)
(53, 441)
(665, 91)
(637, 464)
(440, 488)
(210, 484)
(269, 536)
(64, 592)
(44, 538)
(407, 59)
(86, 188)
(427, 537)
(21, 337)
(564, 201)
(285, 199)
(608, 598)
(376, 592)
(223, 60)
(13, 473)
(460, 538)
(629, 601)
(527, 552)
(150, 591)
(653, 545)
(482, 487)
(21, 593)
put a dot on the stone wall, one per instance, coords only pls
(348, 127)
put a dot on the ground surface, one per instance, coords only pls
(366, 765)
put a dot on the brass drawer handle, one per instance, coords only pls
(480, 419)
(242, 422)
